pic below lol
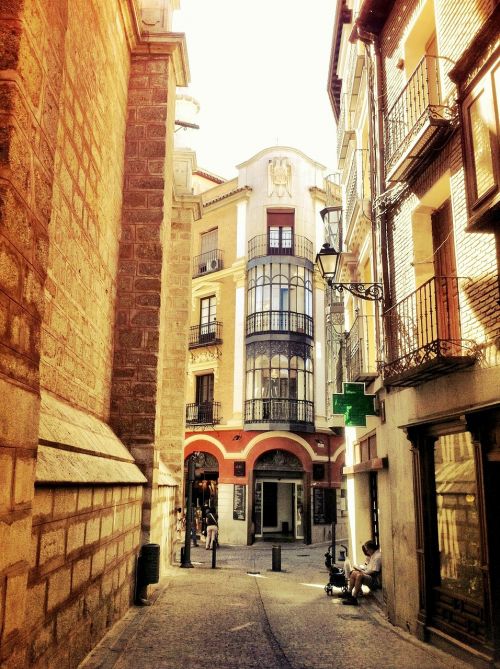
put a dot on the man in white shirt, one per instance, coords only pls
(368, 575)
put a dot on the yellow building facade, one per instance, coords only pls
(256, 412)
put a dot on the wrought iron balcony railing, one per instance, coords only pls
(279, 321)
(422, 335)
(211, 261)
(345, 131)
(297, 246)
(203, 413)
(416, 120)
(351, 192)
(277, 410)
(205, 334)
(360, 350)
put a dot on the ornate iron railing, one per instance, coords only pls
(205, 334)
(277, 410)
(360, 348)
(203, 413)
(279, 321)
(425, 328)
(344, 131)
(211, 261)
(419, 101)
(297, 246)
(351, 191)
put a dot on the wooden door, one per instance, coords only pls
(445, 272)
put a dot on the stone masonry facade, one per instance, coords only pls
(88, 211)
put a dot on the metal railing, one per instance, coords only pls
(205, 334)
(297, 246)
(351, 191)
(419, 101)
(424, 326)
(344, 130)
(279, 321)
(211, 261)
(269, 410)
(203, 413)
(360, 349)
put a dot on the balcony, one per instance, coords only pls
(211, 261)
(416, 121)
(422, 335)
(345, 132)
(205, 334)
(360, 349)
(277, 410)
(279, 321)
(203, 413)
(296, 246)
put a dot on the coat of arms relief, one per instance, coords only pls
(279, 177)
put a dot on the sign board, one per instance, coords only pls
(354, 404)
(239, 501)
(324, 506)
(240, 468)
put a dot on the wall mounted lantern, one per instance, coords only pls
(329, 257)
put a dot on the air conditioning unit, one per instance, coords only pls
(214, 265)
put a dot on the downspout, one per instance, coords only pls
(377, 172)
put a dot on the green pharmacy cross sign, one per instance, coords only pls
(354, 404)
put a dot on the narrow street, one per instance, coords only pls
(244, 615)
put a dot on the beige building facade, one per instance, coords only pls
(415, 87)
(256, 406)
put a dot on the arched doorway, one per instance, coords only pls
(279, 497)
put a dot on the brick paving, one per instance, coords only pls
(242, 615)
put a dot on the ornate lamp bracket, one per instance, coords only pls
(365, 291)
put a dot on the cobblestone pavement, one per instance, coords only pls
(242, 615)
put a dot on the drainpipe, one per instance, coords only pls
(377, 164)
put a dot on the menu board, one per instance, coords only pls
(239, 502)
(324, 501)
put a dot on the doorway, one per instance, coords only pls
(278, 509)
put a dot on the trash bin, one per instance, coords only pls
(148, 567)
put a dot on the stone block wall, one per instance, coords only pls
(85, 212)
(85, 541)
(64, 91)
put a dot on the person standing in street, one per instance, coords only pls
(212, 529)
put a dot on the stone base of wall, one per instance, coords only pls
(85, 543)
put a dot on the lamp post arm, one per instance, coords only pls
(365, 291)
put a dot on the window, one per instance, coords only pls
(210, 258)
(280, 232)
(279, 297)
(208, 325)
(205, 397)
(457, 516)
(480, 114)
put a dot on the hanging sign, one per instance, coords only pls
(353, 404)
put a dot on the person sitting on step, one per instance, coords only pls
(369, 574)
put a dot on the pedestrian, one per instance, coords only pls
(369, 574)
(212, 529)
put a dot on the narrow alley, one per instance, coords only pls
(244, 615)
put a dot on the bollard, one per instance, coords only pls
(214, 555)
(276, 558)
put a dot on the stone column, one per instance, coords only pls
(31, 50)
(145, 276)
